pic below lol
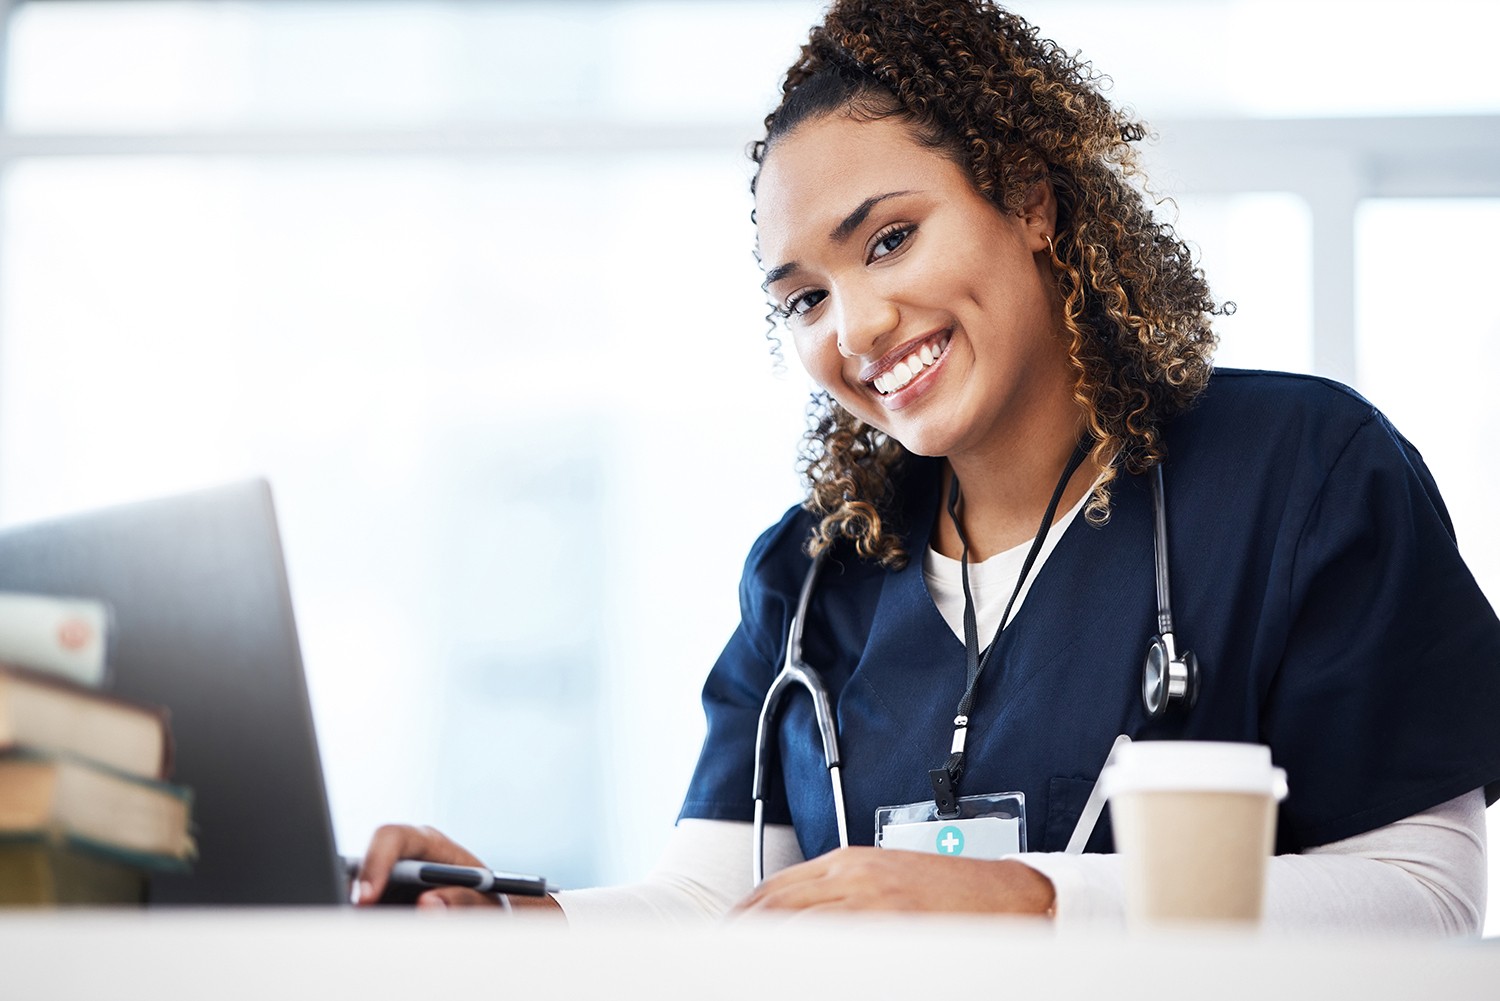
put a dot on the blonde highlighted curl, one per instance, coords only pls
(1013, 109)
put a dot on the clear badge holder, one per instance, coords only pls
(989, 826)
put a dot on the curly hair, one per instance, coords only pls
(976, 82)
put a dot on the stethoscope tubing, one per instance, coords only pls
(796, 672)
(1159, 540)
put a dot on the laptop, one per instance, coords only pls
(202, 623)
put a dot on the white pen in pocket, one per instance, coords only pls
(1095, 805)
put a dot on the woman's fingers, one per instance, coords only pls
(858, 878)
(794, 887)
(456, 896)
(876, 879)
(398, 841)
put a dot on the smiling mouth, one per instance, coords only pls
(900, 375)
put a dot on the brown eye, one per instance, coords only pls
(890, 241)
(803, 301)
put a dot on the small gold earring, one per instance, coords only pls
(1048, 238)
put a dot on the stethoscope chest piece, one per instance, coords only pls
(1168, 679)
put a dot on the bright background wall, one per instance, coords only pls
(472, 284)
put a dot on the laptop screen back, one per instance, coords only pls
(202, 623)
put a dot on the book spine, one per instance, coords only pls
(65, 637)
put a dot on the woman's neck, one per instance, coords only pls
(1005, 491)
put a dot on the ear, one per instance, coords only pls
(1038, 215)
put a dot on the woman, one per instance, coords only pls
(1011, 349)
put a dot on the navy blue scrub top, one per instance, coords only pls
(1314, 572)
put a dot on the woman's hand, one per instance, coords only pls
(397, 841)
(877, 879)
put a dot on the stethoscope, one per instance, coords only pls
(1167, 680)
(796, 671)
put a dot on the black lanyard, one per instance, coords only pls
(945, 779)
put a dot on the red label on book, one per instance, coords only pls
(74, 634)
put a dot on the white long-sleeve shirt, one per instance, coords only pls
(1422, 875)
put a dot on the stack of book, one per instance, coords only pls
(86, 811)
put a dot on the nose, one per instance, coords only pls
(864, 317)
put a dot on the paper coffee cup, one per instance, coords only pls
(1194, 822)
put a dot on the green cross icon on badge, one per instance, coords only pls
(950, 841)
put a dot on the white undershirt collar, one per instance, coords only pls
(991, 581)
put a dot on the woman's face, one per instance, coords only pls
(921, 307)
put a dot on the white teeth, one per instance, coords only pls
(907, 369)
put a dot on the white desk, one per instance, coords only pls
(262, 954)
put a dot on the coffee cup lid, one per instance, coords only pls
(1196, 765)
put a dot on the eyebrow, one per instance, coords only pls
(839, 233)
(853, 220)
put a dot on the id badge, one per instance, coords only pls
(987, 827)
